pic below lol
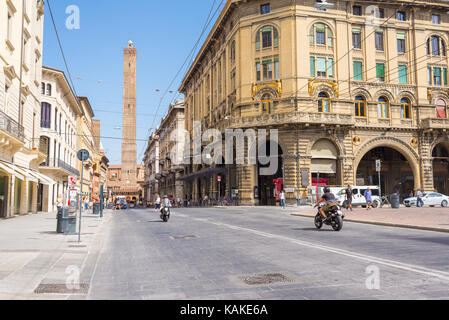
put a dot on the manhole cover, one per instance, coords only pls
(185, 237)
(260, 279)
(83, 288)
(77, 246)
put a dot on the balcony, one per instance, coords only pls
(11, 127)
(298, 117)
(435, 123)
(59, 166)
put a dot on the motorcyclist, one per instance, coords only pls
(323, 202)
(166, 203)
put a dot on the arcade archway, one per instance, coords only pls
(396, 171)
(440, 157)
(270, 186)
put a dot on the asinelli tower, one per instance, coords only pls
(129, 144)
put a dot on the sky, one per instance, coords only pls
(164, 33)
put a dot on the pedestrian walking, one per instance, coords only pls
(369, 198)
(158, 203)
(419, 201)
(349, 198)
(282, 197)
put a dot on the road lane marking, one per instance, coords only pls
(391, 263)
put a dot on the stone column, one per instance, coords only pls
(290, 182)
(247, 180)
(179, 185)
(34, 195)
(24, 197)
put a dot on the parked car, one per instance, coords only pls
(358, 198)
(430, 199)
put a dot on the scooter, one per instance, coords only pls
(165, 214)
(335, 217)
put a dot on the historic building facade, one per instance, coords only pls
(60, 110)
(21, 36)
(152, 169)
(344, 87)
(170, 144)
(101, 165)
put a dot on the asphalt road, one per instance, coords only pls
(265, 253)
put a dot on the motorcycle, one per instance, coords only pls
(165, 214)
(335, 217)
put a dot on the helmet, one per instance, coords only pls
(327, 190)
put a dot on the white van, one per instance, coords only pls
(358, 198)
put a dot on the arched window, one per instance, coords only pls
(383, 108)
(267, 37)
(42, 88)
(320, 33)
(267, 103)
(48, 89)
(406, 111)
(323, 102)
(436, 46)
(360, 106)
(441, 109)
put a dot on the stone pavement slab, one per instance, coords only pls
(33, 255)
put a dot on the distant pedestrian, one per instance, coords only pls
(158, 202)
(282, 197)
(349, 198)
(369, 198)
(419, 201)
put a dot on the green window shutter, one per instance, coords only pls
(312, 66)
(356, 30)
(276, 59)
(358, 70)
(380, 70)
(437, 72)
(331, 67)
(402, 74)
(266, 61)
(445, 76)
(321, 64)
(401, 36)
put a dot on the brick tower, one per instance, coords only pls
(129, 145)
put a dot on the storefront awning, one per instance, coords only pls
(324, 166)
(24, 173)
(204, 173)
(5, 167)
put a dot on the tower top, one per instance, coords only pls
(130, 44)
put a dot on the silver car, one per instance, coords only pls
(430, 199)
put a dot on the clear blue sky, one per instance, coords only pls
(164, 32)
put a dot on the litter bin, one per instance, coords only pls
(96, 208)
(60, 222)
(395, 204)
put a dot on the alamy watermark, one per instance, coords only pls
(73, 21)
(230, 147)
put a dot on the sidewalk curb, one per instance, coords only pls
(385, 224)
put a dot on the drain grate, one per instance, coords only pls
(261, 279)
(61, 289)
(185, 237)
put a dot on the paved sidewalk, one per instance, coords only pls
(36, 262)
(427, 218)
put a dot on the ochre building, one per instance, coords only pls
(345, 86)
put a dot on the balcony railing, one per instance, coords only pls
(11, 126)
(435, 123)
(57, 163)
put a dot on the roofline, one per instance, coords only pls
(198, 57)
(66, 82)
(91, 112)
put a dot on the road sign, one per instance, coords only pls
(72, 181)
(378, 166)
(83, 155)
